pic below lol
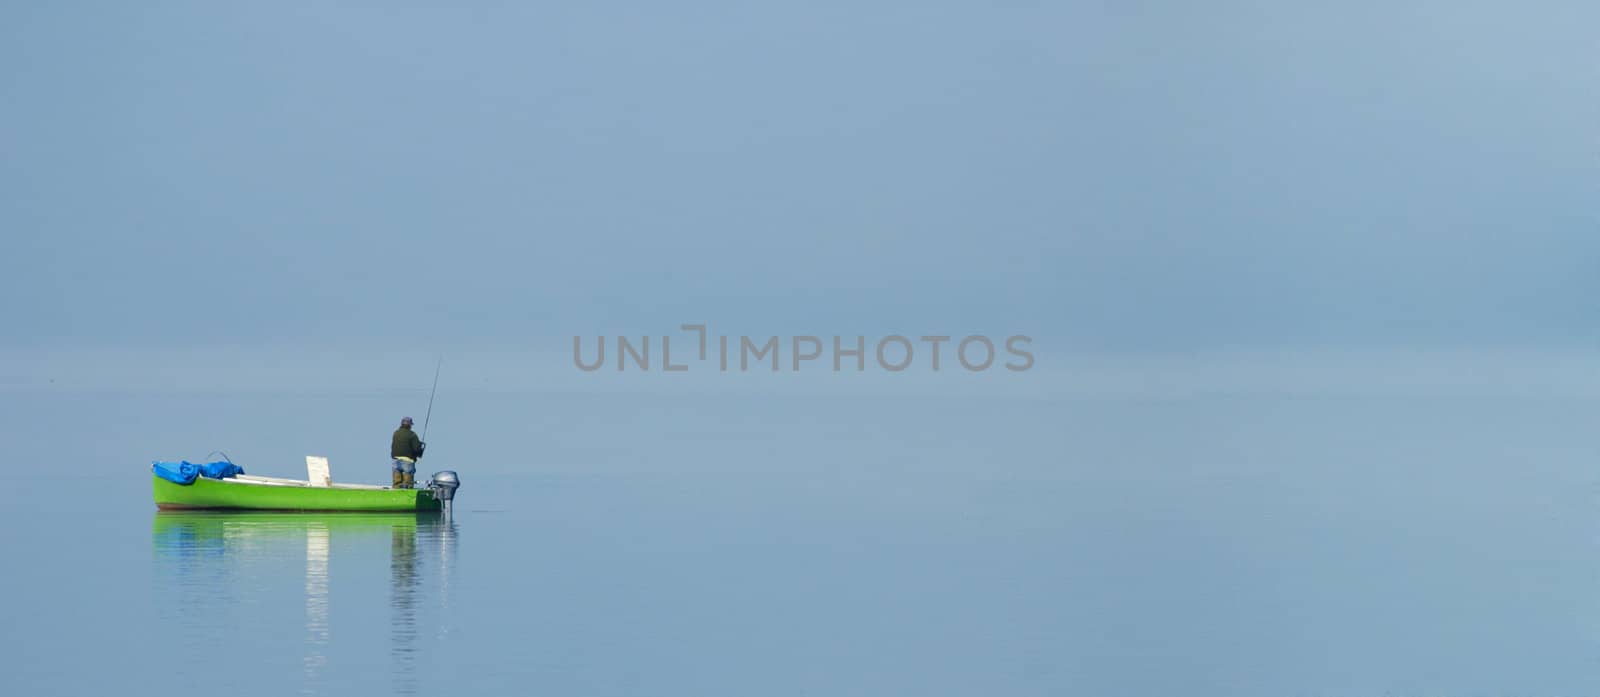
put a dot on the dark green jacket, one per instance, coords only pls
(406, 444)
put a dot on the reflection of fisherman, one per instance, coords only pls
(406, 450)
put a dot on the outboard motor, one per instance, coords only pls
(443, 486)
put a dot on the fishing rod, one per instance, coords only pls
(434, 391)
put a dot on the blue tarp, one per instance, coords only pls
(177, 472)
(220, 470)
(185, 472)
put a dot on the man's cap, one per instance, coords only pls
(405, 420)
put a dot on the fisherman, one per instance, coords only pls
(406, 450)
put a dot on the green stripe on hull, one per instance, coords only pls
(210, 493)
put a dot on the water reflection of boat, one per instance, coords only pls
(180, 531)
(212, 558)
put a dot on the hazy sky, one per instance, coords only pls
(1139, 175)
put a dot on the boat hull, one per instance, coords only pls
(213, 494)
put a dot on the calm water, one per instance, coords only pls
(682, 544)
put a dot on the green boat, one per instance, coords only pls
(245, 492)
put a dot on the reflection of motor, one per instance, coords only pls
(443, 486)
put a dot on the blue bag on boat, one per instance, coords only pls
(176, 472)
(220, 470)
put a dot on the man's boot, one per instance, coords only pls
(410, 480)
(398, 479)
